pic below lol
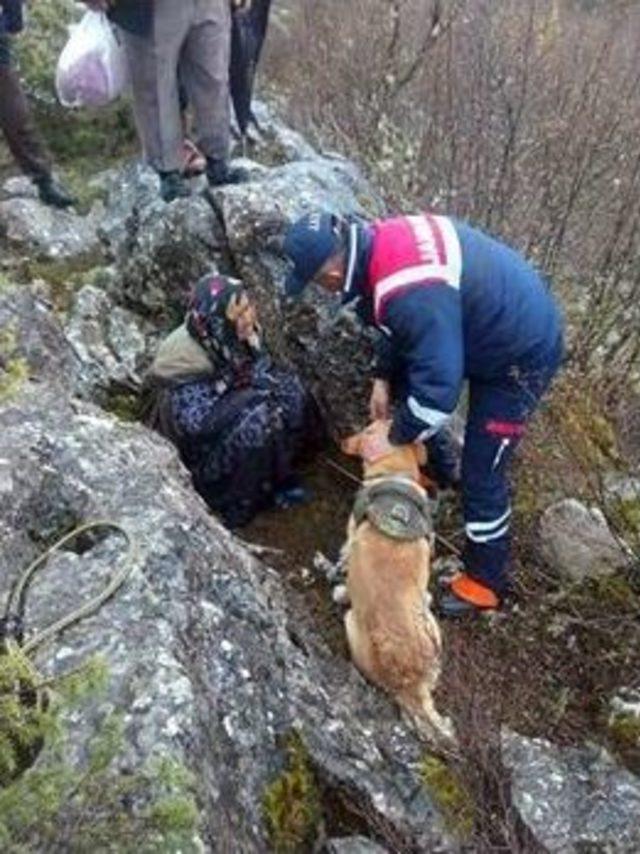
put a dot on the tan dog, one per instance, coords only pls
(394, 638)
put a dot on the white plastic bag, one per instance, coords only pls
(91, 70)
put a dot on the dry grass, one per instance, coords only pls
(523, 117)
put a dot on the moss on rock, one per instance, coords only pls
(291, 802)
(14, 370)
(450, 796)
(54, 807)
(625, 731)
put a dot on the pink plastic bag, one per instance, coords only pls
(91, 70)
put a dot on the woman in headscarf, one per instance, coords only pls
(239, 422)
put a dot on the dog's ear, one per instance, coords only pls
(421, 453)
(352, 445)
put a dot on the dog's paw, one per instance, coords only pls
(446, 730)
(340, 594)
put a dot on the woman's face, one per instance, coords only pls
(242, 314)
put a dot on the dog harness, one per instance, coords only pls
(396, 506)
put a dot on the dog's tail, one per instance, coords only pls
(419, 708)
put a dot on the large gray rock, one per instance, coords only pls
(354, 845)
(573, 799)
(26, 225)
(626, 704)
(331, 350)
(577, 543)
(208, 665)
(111, 344)
(31, 335)
(274, 142)
(159, 250)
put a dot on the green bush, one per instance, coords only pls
(53, 806)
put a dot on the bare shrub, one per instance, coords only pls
(522, 116)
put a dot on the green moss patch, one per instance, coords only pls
(291, 802)
(450, 796)
(14, 370)
(52, 806)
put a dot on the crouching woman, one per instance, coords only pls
(240, 422)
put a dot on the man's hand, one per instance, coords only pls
(375, 442)
(380, 401)
(241, 5)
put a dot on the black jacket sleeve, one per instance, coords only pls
(134, 16)
(11, 11)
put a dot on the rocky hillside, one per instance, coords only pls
(217, 665)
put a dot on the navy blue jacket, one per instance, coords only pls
(135, 16)
(498, 314)
(10, 16)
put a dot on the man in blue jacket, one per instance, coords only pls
(15, 119)
(451, 303)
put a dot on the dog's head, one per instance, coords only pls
(379, 456)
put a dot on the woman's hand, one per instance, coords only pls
(380, 401)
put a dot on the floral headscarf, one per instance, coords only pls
(213, 308)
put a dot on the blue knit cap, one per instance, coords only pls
(309, 243)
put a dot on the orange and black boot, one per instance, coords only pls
(464, 596)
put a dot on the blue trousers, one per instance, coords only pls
(498, 413)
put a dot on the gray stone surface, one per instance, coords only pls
(159, 250)
(577, 543)
(354, 845)
(274, 142)
(573, 799)
(330, 349)
(207, 663)
(111, 344)
(622, 487)
(19, 186)
(29, 331)
(626, 705)
(26, 225)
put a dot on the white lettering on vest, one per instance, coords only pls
(425, 240)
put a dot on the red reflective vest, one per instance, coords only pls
(410, 252)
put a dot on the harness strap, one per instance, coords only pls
(396, 506)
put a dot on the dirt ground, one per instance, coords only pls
(548, 666)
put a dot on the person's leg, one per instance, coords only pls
(21, 135)
(205, 73)
(494, 428)
(498, 413)
(153, 64)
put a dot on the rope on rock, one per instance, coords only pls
(23, 685)
(13, 620)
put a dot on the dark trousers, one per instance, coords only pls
(16, 121)
(498, 412)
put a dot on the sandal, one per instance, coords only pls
(193, 160)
